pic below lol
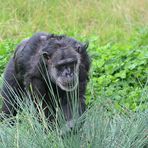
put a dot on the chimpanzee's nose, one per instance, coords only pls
(67, 72)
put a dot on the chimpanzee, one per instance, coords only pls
(47, 60)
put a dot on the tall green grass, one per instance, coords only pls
(110, 20)
(100, 129)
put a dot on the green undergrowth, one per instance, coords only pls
(120, 71)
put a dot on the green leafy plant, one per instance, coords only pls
(6, 49)
(120, 72)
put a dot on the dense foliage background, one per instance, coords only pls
(120, 71)
(117, 32)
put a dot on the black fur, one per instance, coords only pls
(22, 70)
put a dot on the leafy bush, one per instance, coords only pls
(120, 71)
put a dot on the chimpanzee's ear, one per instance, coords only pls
(45, 55)
(83, 47)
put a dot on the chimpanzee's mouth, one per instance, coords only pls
(69, 85)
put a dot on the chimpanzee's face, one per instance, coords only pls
(63, 68)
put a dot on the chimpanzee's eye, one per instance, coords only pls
(72, 66)
(59, 67)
